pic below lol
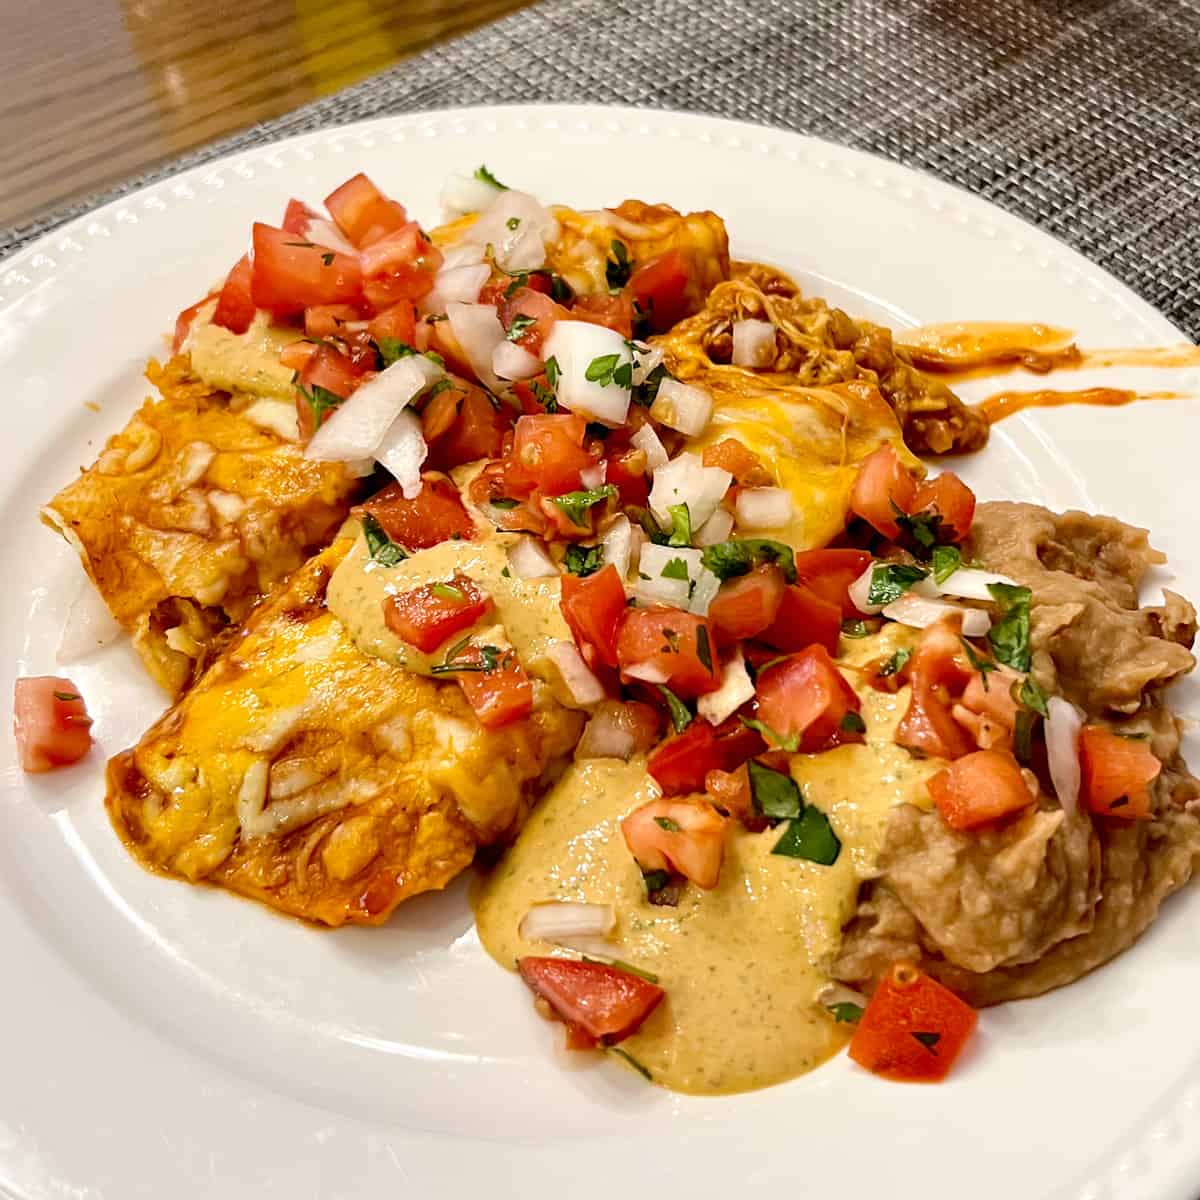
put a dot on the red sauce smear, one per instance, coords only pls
(1005, 404)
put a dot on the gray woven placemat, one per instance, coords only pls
(1081, 116)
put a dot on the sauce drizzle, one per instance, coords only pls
(1006, 404)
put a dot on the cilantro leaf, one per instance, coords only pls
(1032, 697)
(1009, 637)
(667, 824)
(810, 836)
(946, 560)
(925, 528)
(681, 525)
(321, 402)
(646, 392)
(600, 370)
(521, 324)
(676, 568)
(681, 716)
(583, 560)
(703, 650)
(790, 743)
(640, 1068)
(889, 581)
(381, 547)
(895, 664)
(775, 794)
(852, 722)
(846, 1013)
(928, 1040)
(1023, 736)
(618, 268)
(485, 176)
(982, 665)
(447, 591)
(576, 504)
(855, 629)
(66, 697)
(553, 371)
(728, 559)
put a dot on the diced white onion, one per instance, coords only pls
(528, 559)
(462, 194)
(704, 592)
(359, 468)
(326, 233)
(920, 612)
(645, 360)
(462, 254)
(753, 343)
(1063, 723)
(686, 480)
(89, 625)
(735, 690)
(618, 545)
(593, 477)
(606, 735)
(647, 673)
(558, 919)
(584, 687)
(764, 508)
(574, 346)
(456, 285)
(517, 228)
(478, 331)
(403, 451)
(649, 443)
(859, 590)
(682, 406)
(357, 427)
(511, 361)
(653, 587)
(716, 529)
(970, 583)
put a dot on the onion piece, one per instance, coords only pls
(645, 360)
(655, 587)
(682, 406)
(970, 583)
(357, 427)
(735, 690)
(461, 254)
(577, 676)
(326, 233)
(517, 227)
(1063, 723)
(605, 736)
(685, 480)
(859, 590)
(617, 545)
(704, 592)
(556, 919)
(456, 285)
(478, 331)
(716, 529)
(528, 559)
(576, 346)
(511, 361)
(89, 626)
(403, 451)
(462, 194)
(593, 477)
(647, 673)
(920, 612)
(650, 444)
(753, 343)
(764, 508)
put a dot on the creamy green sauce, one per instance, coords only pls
(742, 965)
(246, 362)
(526, 612)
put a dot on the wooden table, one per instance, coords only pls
(97, 90)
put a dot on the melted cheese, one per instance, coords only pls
(243, 362)
(742, 965)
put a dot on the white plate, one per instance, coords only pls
(161, 1041)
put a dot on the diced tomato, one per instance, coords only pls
(990, 694)
(50, 723)
(399, 266)
(805, 695)
(614, 312)
(659, 288)
(747, 605)
(951, 499)
(398, 322)
(626, 471)
(331, 370)
(183, 324)
(295, 355)
(803, 619)
(605, 1004)
(528, 303)
(914, 1029)
(730, 790)
(288, 275)
(680, 645)
(296, 217)
(979, 788)
(683, 836)
(235, 306)
(363, 213)
(883, 485)
(499, 695)
(1116, 773)
(436, 514)
(593, 607)
(939, 672)
(744, 465)
(330, 320)
(682, 763)
(428, 615)
(830, 573)
(476, 432)
(548, 453)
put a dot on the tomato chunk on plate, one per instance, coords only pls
(50, 722)
(747, 605)
(434, 515)
(883, 485)
(289, 274)
(604, 1003)
(979, 788)
(496, 686)
(683, 836)
(1116, 773)
(429, 615)
(830, 573)
(806, 696)
(914, 1029)
(593, 608)
(682, 763)
(671, 644)
(951, 500)
(235, 305)
(362, 212)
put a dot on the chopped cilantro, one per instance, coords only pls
(925, 528)
(491, 658)
(517, 282)
(681, 716)
(621, 965)
(775, 794)
(889, 581)
(391, 350)
(846, 1013)
(1009, 637)
(811, 837)
(852, 722)
(618, 268)
(608, 368)
(576, 504)
(790, 743)
(485, 176)
(381, 547)
(583, 560)
(676, 568)
(513, 223)
(521, 324)
(643, 1071)
(67, 697)
(681, 525)
(596, 430)
(855, 629)
(667, 824)
(649, 526)
(321, 402)
(560, 289)
(302, 245)
(946, 560)
(553, 371)
(738, 557)
(1032, 697)
(982, 665)
(928, 1040)
(544, 396)
(646, 392)
(895, 664)
(327, 258)
(503, 502)
(703, 650)
(1023, 736)
(447, 591)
